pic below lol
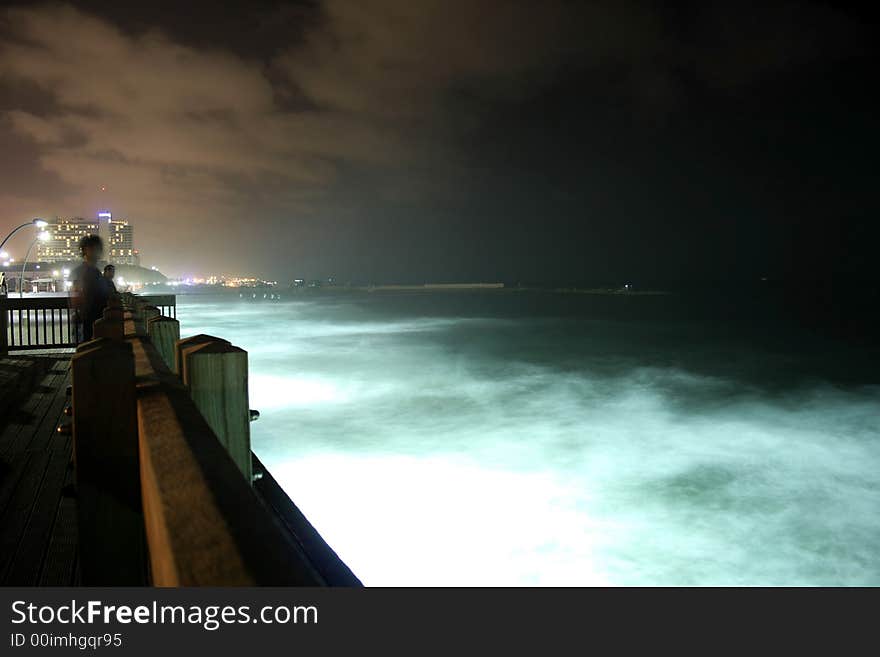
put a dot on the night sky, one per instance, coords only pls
(429, 140)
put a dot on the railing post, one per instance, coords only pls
(216, 374)
(147, 313)
(142, 313)
(185, 343)
(112, 324)
(164, 333)
(105, 443)
(4, 328)
(135, 315)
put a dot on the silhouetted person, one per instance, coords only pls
(109, 273)
(89, 290)
(4, 287)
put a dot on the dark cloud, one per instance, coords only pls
(298, 131)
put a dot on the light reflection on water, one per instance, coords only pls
(432, 449)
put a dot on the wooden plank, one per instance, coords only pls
(60, 561)
(31, 406)
(18, 376)
(45, 435)
(60, 564)
(18, 511)
(21, 434)
(43, 394)
(27, 564)
(12, 470)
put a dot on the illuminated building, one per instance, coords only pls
(62, 244)
(62, 241)
(120, 244)
(104, 219)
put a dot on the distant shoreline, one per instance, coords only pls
(422, 288)
(500, 287)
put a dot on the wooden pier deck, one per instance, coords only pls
(165, 490)
(38, 527)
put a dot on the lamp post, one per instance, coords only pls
(39, 223)
(41, 237)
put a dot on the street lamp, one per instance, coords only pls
(39, 223)
(41, 237)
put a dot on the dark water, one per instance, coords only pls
(534, 438)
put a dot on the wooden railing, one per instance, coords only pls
(162, 453)
(166, 303)
(36, 323)
(47, 322)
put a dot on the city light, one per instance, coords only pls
(4, 255)
(223, 280)
(44, 236)
(40, 223)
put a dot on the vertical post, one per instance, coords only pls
(105, 444)
(4, 328)
(112, 324)
(136, 315)
(164, 333)
(216, 374)
(130, 324)
(149, 312)
(185, 343)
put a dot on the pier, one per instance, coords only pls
(126, 460)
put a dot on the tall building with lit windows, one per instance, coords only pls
(62, 241)
(120, 245)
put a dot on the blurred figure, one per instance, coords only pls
(89, 292)
(109, 274)
(4, 287)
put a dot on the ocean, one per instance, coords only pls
(534, 438)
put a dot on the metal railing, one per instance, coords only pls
(48, 322)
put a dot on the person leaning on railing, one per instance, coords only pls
(107, 280)
(89, 294)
